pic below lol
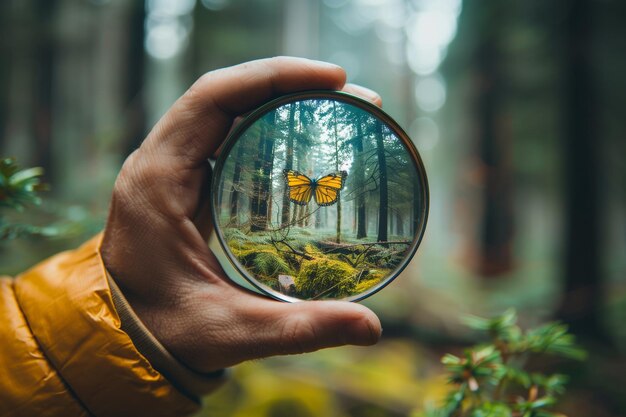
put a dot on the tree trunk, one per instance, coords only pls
(45, 52)
(383, 209)
(581, 306)
(234, 191)
(399, 223)
(496, 218)
(6, 58)
(359, 180)
(136, 123)
(255, 200)
(416, 210)
(288, 164)
(338, 231)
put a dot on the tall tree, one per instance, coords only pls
(581, 306)
(493, 143)
(236, 185)
(288, 162)
(263, 166)
(416, 206)
(359, 179)
(338, 204)
(383, 209)
(6, 57)
(45, 75)
(135, 67)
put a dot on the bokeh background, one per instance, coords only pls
(517, 108)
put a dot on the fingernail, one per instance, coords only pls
(363, 333)
(363, 92)
(326, 64)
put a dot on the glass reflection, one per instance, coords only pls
(319, 199)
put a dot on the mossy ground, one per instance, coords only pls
(319, 267)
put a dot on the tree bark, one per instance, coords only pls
(359, 182)
(136, 129)
(496, 220)
(45, 52)
(581, 306)
(338, 231)
(234, 191)
(288, 164)
(383, 209)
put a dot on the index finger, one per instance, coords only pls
(198, 122)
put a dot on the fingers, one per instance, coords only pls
(310, 326)
(218, 326)
(317, 325)
(364, 93)
(196, 125)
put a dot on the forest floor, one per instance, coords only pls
(313, 265)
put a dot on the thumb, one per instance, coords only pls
(312, 325)
(217, 329)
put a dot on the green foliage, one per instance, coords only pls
(239, 239)
(386, 257)
(550, 338)
(262, 260)
(269, 264)
(490, 379)
(334, 276)
(18, 190)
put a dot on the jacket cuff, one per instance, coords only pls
(67, 304)
(186, 380)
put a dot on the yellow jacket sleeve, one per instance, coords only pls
(62, 349)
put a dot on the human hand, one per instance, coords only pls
(155, 240)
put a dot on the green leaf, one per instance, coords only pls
(552, 384)
(502, 327)
(532, 406)
(543, 402)
(19, 188)
(553, 338)
(492, 409)
(519, 376)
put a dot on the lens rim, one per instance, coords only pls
(253, 117)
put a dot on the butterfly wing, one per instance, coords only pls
(300, 187)
(327, 188)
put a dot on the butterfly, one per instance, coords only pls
(325, 189)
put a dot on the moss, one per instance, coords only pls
(372, 278)
(262, 260)
(333, 279)
(312, 250)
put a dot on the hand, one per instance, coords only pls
(155, 240)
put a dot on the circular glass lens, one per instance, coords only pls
(318, 195)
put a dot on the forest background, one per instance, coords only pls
(515, 106)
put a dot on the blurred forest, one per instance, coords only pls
(515, 106)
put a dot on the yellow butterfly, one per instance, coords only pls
(325, 189)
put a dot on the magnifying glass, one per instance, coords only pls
(317, 195)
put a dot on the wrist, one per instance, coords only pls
(190, 382)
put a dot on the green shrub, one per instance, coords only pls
(492, 380)
(325, 278)
(18, 190)
(270, 264)
(262, 261)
